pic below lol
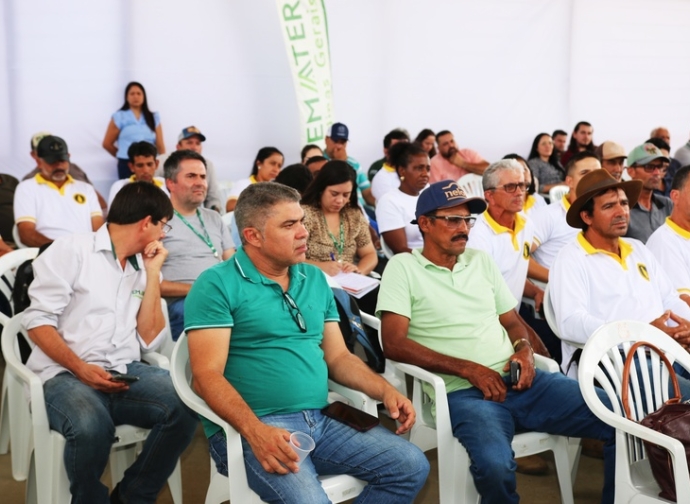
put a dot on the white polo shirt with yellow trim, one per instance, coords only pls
(56, 211)
(386, 179)
(590, 287)
(115, 188)
(551, 231)
(509, 248)
(670, 244)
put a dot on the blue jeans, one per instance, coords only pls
(394, 469)
(553, 404)
(176, 316)
(87, 419)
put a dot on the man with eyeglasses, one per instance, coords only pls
(447, 309)
(506, 235)
(95, 306)
(263, 341)
(648, 164)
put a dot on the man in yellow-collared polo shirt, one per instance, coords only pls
(143, 163)
(53, 204)
(502, 232)
(551, 231)
(602, 277)
(670, 243)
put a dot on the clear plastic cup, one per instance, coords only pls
(302, 443)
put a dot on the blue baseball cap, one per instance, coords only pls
(446, 194)
(191, 131)
(338, 131)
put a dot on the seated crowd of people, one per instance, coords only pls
(463, 279)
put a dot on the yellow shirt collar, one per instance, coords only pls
(252, 179)
(498, 229)
(154, 181)
(683, 233)
(566, 202)
(625, 248)
(39, 179)
(388, 168)
(530, 200)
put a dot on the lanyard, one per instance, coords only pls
(339, 245)
(205, 237)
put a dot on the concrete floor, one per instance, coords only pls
(195, 477)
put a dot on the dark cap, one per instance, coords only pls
(52, 149)
(191, 131)
(338, 131)
(594, 183)
(446, 194)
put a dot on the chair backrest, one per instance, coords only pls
(10, 262)
(15, 237)
(557, 192)
(472, 185)
(601, 365)
(385, 248)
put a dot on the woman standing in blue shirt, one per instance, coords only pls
(134, 122)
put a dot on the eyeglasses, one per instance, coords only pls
(166, 227)
(649, 168)
(510, 188)
(294, 311)
(454, 221)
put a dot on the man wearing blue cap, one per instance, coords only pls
(447, 309)
(336, 148)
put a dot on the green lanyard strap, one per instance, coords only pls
(205, 237)
(338, 244)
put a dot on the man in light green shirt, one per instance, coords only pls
(448, 310)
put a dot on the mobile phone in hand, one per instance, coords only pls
(514, 372)
(351, 416)
(125, 378)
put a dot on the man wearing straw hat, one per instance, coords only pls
(602, 277)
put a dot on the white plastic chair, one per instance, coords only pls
(47, 480)
(557, 192)
(385, 248)
(391, 373)
(15, 237)
(8, 264)
(472, 185)
(455, 482)
(601, 365)
(338, 488)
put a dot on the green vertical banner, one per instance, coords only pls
(305, 30)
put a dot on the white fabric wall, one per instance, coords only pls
(495, 72)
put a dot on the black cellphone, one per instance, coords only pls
(514, 372)
(124, 378)
(351, 416)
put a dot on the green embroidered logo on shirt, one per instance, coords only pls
(138, 293)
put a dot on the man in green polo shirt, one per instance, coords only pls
(447, 309)
(273, 379)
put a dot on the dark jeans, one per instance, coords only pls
(87, 418)
(553, 404)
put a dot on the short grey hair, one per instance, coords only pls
(492, 174)
(256, 202)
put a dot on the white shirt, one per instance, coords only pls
(386, 179)
(80, 289)
(551, 231)
(670, 245)
(115, 188)
(590, 287)
(239, 186)
(395, 210)
(532, 203)
(56, 211)
(509, 248)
